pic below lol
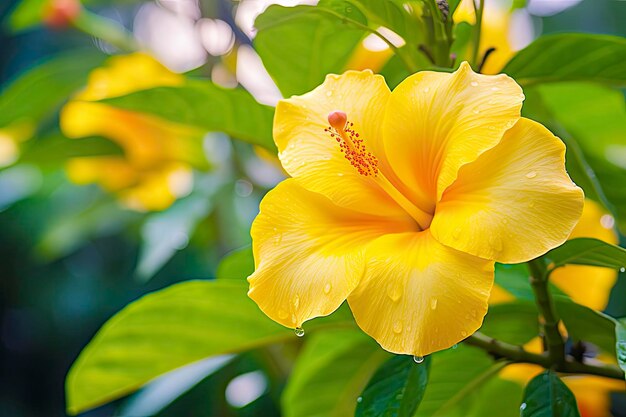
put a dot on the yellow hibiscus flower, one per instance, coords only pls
(400, 202)
(156, 166)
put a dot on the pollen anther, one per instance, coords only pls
(351, 145)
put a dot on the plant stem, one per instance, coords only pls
(550, 325)
(477, 29)
(516, 353)
(106, 29)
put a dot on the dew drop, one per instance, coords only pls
(359, 400)
(495, 88)
(327, 288)
(531, 174)
(329, 93)
(474, 84)
(397, 327)
(299, 331)
(394, 293)
(348, 9)
(296, 302)
(622, 269)
(476, 111)
(340, 174)
(522, 407)
(418, 359)
(427, 89)
(455, 346)
(433, 303)
(531, 204)
(464, 333)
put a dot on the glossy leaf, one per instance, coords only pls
(547, 396)
(395, 390)
(206, 106)
(393, 15)
(40, 91)
(168, 329)
(515, 322)
(300, 45)
(587, 251)
(585, 324)
(620, 335)
(454, 375)
(570, 57)
(238, 264)
(330, 373)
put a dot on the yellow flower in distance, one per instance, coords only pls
(156, 166)
(400, 202)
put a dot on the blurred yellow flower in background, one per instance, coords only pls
(10, 138)
(156, 167)
(400, 202)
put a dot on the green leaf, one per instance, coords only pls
(462, 35)
(40, 91)
(587, 251)
(570, 57)
(168, 329)
(300, 45)
(27, 14)
(454, 375)
(238, 264)
(497, 397)
(164, 233)
(330, 373)
(204, 105)
(392, 15)
(547, 396)
(515, 322)
(395, 390)
(620, 334)
(585, 324)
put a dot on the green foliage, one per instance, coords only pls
(587, 251)
(37, 93)
(514, 322)
(26, 15)
(318, 45)
(620, 347)
(206, 106)
(395, 390)
(570, 57)
(547, 396)
(238, 264)
(330, 373)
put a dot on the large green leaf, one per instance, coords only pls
(570, 57)
(587, 251)
(454, 375)
(585, 324)
(547, 396)
(206, 106)
(515, 322)
(620, 334)
(395, 390)
(238, 264)
(330, 373)
(41, 90)
(166, 330)
(300, 45)
(393, 15)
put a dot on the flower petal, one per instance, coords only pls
(589, 285)
(515, 202)
(436, 122)
(313, 157)
(308, 253)
(418, 296)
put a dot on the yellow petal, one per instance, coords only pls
(313, 157)
(112, 173)
(436, 122)
(159, 188)
(499, 295)
(593, 394)
(513, 203)
(589, 285)
(418, 296)
(308, 253)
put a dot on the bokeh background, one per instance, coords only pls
(73, 254)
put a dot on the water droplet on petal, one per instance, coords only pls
(464, 333)
(495, 88)
(474, 84)
(531, 204)
(457, 232)
(327, 288)
(296, 302)
(476, 110)
(397, 327)
(433, 303)
(340, 174)
(531, 174)
(329, 93)
(418, 359)
(427, 89)
(299, 331)
(394, 292)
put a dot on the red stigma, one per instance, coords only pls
(351, 145)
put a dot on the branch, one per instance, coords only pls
(518, 354)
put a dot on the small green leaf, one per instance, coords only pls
(38, 92)
(620, 334)
(395, 390)
(204, 105)
(300, 45)
(393, 15)
(330, 373)
(238, 264)
(570, 57)
(585, 324)
(547, 396)
(26, 15)
(587, 251)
